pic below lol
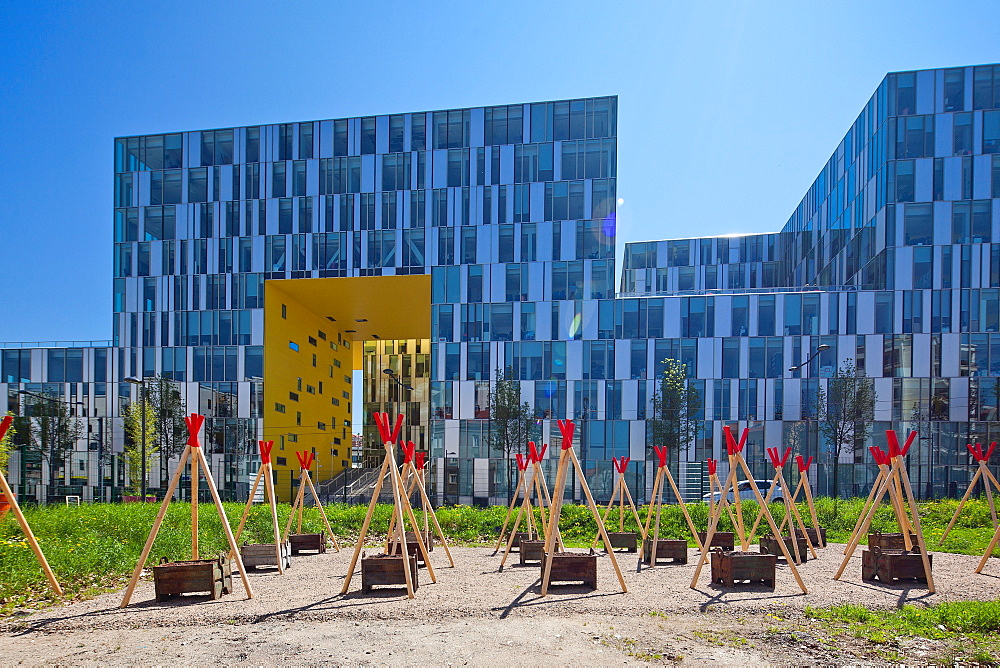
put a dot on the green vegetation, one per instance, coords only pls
(971, 627)
(91, 547)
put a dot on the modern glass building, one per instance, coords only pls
(259, 267)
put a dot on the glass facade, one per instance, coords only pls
(892, 259)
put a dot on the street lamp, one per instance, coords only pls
(396, 379)
(820, 348)
(141, 382)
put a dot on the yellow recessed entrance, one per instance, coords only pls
(314, 329)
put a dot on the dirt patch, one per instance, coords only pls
(476, 615)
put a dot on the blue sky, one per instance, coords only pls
(727, 110)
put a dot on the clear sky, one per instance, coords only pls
(727, 110)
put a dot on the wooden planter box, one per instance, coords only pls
(518, 537)
(624, 540)
(412, 548)
(675, 550)
(572, 567)
(768, 545)
(386, 569)
(263, 554)
(730, 567)
(532, 550)
(889, 541)
(818, 541)
(308, 541)
(724, 539)
(209, 576)
(891, 565)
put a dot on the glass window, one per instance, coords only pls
(918, 225)
(954, 90)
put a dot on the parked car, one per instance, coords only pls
(746, 492)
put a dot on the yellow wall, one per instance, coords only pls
(312, 385)
(348, 311)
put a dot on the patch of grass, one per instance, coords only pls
(971, 626)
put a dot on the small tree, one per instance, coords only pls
(132, 454)
(676, 408)
(512, 423)
(7, 446)
(846, 413)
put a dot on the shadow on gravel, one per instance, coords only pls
(903, 589)
(556, 592)
(719, 597)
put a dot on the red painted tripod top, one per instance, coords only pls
(194, 426)
(976, 450)
(265, 451)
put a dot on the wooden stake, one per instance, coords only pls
(556, 509)
(272, 501)
(510, 509)
(207, 472)
(364, 525)
(322, 512)
(194, 507)
(597, 518)
(882, 472)
(29, 536)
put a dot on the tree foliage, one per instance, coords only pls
(677, 407)
(132, 454)
(512, 423)
(846, 412)
(7, 446)
(164, 396)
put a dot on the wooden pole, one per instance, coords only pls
(738, 501)
(607, 512)
(767, 499)
(364, 525)
(597, 518)
(246, 508)
(510, 509)
(194, 507)
(916, 525)
(428, 510)
(397, 503)
(29, 536)
(961, 503)
(555, 510)
(882, 471)
(207, 472)
(680, 502)
(322, 512)
(156, 526)
(272, 501)
(299, 500)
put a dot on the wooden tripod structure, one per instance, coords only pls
(989, 481)
(623, 496)
(656, 504)
(194, 454)
(401, 508)
(894, 481)
(734, 449)
(306, 459)
(414, 467)
(567, 457)
(264, 472)
(28, 535)
(715, 485)
(534, 484)
(523, 492)
(804, 486)
(792, 515)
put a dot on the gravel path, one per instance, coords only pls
(472, 614)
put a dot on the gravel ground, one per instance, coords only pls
(473, 614)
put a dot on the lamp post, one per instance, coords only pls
(141, 382)
(820, 348)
